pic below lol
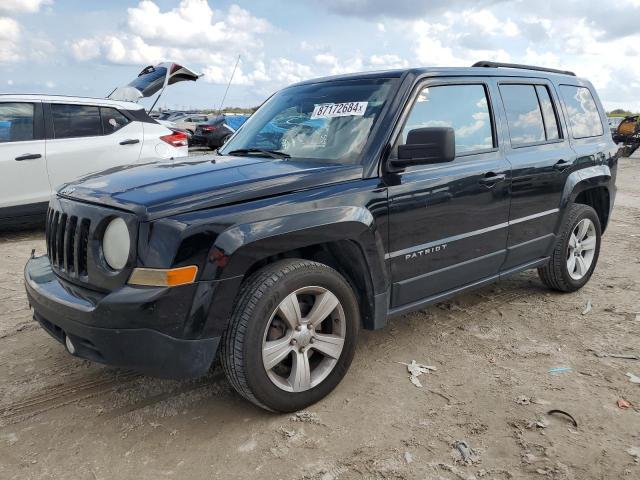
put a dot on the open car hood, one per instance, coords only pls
(152, 80)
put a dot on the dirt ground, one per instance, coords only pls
(65, 418)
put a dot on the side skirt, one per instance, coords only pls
(420, 304)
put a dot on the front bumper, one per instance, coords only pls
(69, 311)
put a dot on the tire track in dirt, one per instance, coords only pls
(56, 396)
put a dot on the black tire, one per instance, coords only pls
(259, 296)
(555, 274)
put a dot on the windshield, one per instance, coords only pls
(328, 121)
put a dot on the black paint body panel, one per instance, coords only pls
(415, 236)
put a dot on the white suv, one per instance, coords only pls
(47, 141)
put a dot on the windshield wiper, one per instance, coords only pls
(270, 153)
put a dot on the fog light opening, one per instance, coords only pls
(71, 348)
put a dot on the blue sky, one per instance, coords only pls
(87, 48)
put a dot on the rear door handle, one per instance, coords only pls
(491, 178)
(561, 165)
(130, 141)
(28, 156)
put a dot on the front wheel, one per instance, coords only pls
(576, 254)
(292, 335)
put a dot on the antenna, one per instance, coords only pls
(224, 97)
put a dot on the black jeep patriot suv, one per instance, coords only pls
(340, 203)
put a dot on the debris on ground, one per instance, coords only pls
(415, 381)
(537, 423)
(622, 403)
(305, 417)
(557, 370)
(467, 454)
(562, 412)
(635, 453)
(587, 308)
(633, 378)
(408, 457)
(523, 400)
(624, 356)
(417, 369)
(287, 433)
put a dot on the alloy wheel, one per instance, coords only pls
(303, 339)
(581, 249)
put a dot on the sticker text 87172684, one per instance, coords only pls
(330, 110)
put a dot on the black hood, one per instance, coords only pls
(160, 189)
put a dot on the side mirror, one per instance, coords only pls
(427, 145)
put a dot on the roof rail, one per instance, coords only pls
(487, 64)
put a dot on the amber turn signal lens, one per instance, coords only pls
(157, 277)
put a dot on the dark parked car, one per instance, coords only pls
(378, 194)
(216, 132)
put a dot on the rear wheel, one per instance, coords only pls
(292, 335)
(576, 254)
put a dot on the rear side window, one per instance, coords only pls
(523, 114)
(531, 115)
(584, 117)
(76, 121)
(548, 113)
(16, 122)
(112, 120)
(462, 107)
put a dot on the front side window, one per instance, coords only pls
(16, 122)
(462, 107)
(326, 121)
(582, 111)
(112, 120)
(524, 116)
(71, 121)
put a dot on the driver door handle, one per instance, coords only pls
(28, 156)
(491, 178)
(130, 141)
(562, 164)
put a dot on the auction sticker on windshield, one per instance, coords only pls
(347, 109)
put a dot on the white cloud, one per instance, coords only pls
(428, 47)
(192, 33)
(193, 23)
(23, 6)
(17, 45)
(387, 61)
(9, 40)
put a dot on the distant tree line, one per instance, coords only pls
(619, 112)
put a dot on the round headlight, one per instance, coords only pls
(116, 244)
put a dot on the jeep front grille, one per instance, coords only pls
(67, 242)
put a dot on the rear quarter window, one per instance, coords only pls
(112, 120)
(584, 118)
